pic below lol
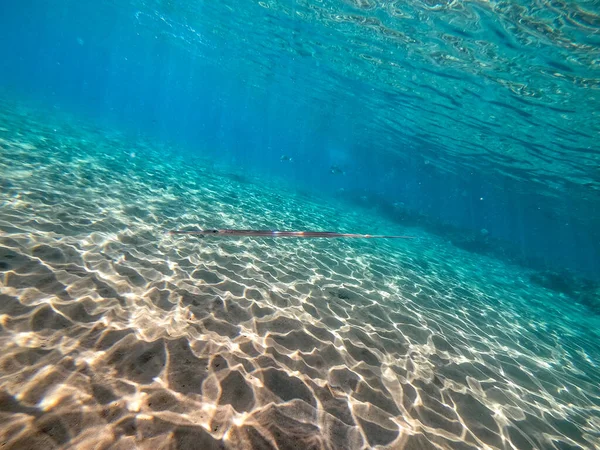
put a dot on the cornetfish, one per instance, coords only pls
(297, 234)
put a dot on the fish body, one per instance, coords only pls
(337, 170)
(276, 234)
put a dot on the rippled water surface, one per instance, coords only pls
(491, 73)
(471, 126)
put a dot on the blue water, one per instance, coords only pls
(472, 126)
(482, 116)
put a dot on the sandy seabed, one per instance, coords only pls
(115, 334)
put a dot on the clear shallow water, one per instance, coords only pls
(116, 334)
(480, 114)
(472, 126)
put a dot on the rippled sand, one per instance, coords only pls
(115, 334)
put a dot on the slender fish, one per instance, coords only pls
(297, 234)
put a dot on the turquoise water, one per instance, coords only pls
(479, 115)
(470, 126)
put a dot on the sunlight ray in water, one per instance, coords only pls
(300, 224)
